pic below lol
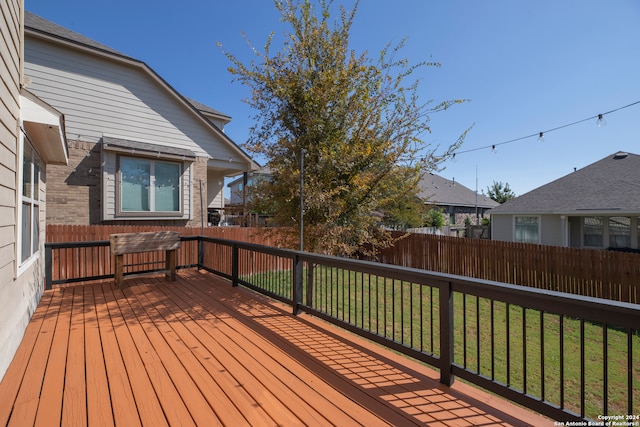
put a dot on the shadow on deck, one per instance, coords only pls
(201, 352)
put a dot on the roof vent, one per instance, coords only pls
(620, 155)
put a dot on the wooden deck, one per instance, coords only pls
(200, 352)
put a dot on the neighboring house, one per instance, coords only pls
(594, 207)
(240, 188)
(31, 140)
(456, 201)
(241, 194)
(140, 153)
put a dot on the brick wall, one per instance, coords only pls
(74, 192)
(199, 175)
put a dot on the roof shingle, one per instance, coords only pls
(608, 186)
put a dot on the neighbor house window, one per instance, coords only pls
(619, 232)
(527, 229)
(149, 187)
(30, 206)
(593, 231)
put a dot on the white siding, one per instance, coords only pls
(215, 191)
(13, 315)
(552, 230)
(100, 97)
(21, 287)
(502, 228)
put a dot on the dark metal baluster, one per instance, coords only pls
(421, 288)
(524, 350)
(561, 361)
(542, 376)
(582, 368)
(393, 309)
(605, 370)
(508, 333)
(493, 351)
(431, 304)
(464, 330)
(478, 333)
(630, 370)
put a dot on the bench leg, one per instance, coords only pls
(119, 270)
(170, 265)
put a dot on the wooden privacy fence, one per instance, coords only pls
(595, 273)
(96, 261)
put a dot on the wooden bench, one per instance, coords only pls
(129, 243)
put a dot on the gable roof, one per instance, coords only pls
(608, 186)
(208, 111)
(41, 25)
(37, 26)
(440, 191)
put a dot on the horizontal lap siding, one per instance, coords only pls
(99, 97)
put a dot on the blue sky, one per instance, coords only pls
(526, 66)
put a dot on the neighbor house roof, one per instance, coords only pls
(610, 186)
(440, 191)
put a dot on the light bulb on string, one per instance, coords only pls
(541, 137)
(601, 121)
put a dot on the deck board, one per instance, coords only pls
(98, 397)
(201, 352)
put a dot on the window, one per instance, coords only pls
(619, 232)
(149, 187)
(29, 241)
(593, 231)
(527, 229)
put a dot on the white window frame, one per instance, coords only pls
(33, 200)
(152, 213)
(610, 232)
(605, 238)
(539, 223)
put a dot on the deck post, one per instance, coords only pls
(446, 333)
(297, 283)
(200, 252)
(48, 267)
(234, 264)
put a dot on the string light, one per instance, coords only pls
(600, 121)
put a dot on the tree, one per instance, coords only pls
(357, 123)
(500, 192)
(434, 218)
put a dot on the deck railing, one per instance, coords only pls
(565, 356)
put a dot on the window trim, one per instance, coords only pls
(120, 214)
(539, 222)
(605, 237)
(35, 203)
